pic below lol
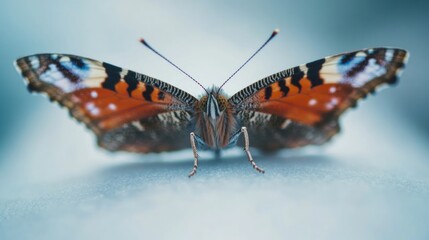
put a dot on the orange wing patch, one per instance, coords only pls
(310, 106)
(105, 110)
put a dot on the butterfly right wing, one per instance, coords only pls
(301, 106)
(126, 110)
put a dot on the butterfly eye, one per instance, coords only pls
(201, 105)
(222, 101)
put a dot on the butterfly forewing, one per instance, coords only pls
(117, 104)
(301, 105)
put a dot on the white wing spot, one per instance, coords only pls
(112, 106)
(94, 94)
(303, 68)
(94, 111)
(334, 101)
(312, 102)
(90, 105)
(389, 55)
(332, 104)
(35, 62)
(361, 54)
(332, 89)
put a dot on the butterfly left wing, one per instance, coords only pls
(126, 110)
(301, 105)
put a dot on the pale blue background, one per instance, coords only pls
(371, 182)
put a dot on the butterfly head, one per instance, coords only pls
(213, 104)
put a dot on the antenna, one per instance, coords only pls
(259, 49)
(174, 65)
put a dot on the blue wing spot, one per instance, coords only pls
(78, 62)
(76, 67)
(347, 58)
(348, 64)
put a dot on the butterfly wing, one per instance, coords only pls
(301, 105)
(126, 110)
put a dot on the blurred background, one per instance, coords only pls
(371, 182)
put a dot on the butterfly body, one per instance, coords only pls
(215, 124)
(129, 111)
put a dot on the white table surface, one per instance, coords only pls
(371, 182)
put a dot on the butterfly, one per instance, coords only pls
(130, 111)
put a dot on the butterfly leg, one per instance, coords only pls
(246, 149)
(194, 149)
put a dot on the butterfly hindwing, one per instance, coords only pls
(306, 101)
(117, 104)
(269, 132)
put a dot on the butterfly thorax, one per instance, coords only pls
(215, 122)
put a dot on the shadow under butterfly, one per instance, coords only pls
(130, 111)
